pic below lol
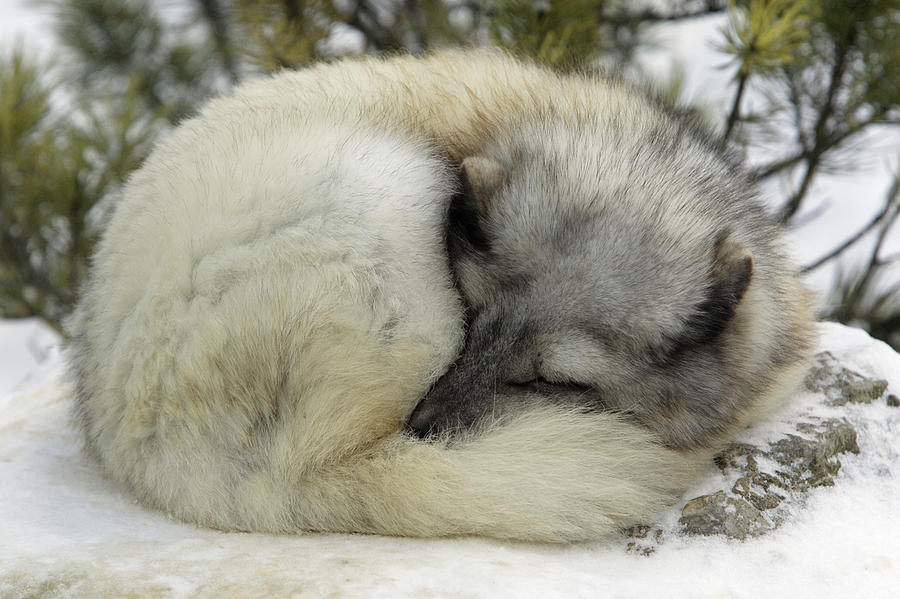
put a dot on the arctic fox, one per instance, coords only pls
(620, 268)
(272, 297)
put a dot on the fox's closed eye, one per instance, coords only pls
(540, 382)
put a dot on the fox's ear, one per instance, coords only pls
(731, 272)
(732, 267)
(481, 177)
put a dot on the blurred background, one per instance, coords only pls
(807, 91)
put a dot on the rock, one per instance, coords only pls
(769, 476)
(643, 543)
(812, 462)
(842, 385)
(738, 456)
(720, 513)
(893, 401)
(748, 486)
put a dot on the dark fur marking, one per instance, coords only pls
(732, 272)
(464, 222)
(714, 314)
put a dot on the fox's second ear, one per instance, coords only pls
(481, 177)
(731, 273)
(732, 267)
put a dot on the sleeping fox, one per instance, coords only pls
(579, 285)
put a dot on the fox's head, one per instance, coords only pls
(607, 271)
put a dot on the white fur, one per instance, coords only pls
(272, 297)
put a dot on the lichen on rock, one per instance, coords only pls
(841, 385)
(771, 475)
(812, 461)
(723, 513)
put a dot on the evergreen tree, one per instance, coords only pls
(831, 70)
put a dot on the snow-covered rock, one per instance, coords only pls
(816, 488)
(758, 477)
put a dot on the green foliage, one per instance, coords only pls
(554, 33)
(54, 175)
(282, 33)
(765, 35)
(865, 50)
(117, 44)
(831, 69)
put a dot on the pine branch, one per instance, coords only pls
(14, 247)
(859, 290)
(734, 115)
(815, 154)
(214, 14)
(836, 139)
(652, 15)
(292, 10)
(895, 257)
(891, 200)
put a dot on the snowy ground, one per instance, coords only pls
(67, 532)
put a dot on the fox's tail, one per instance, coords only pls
(548, 474)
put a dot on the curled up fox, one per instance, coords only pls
(451, 295)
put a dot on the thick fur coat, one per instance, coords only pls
(272, 297)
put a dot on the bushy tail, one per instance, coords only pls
(549, 474)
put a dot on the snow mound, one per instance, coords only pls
(68, 532)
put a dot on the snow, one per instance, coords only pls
(23, 24)
(24, 344)
(68, 532)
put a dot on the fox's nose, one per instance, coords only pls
(456, 401)
(421, 421)
(430, 416)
